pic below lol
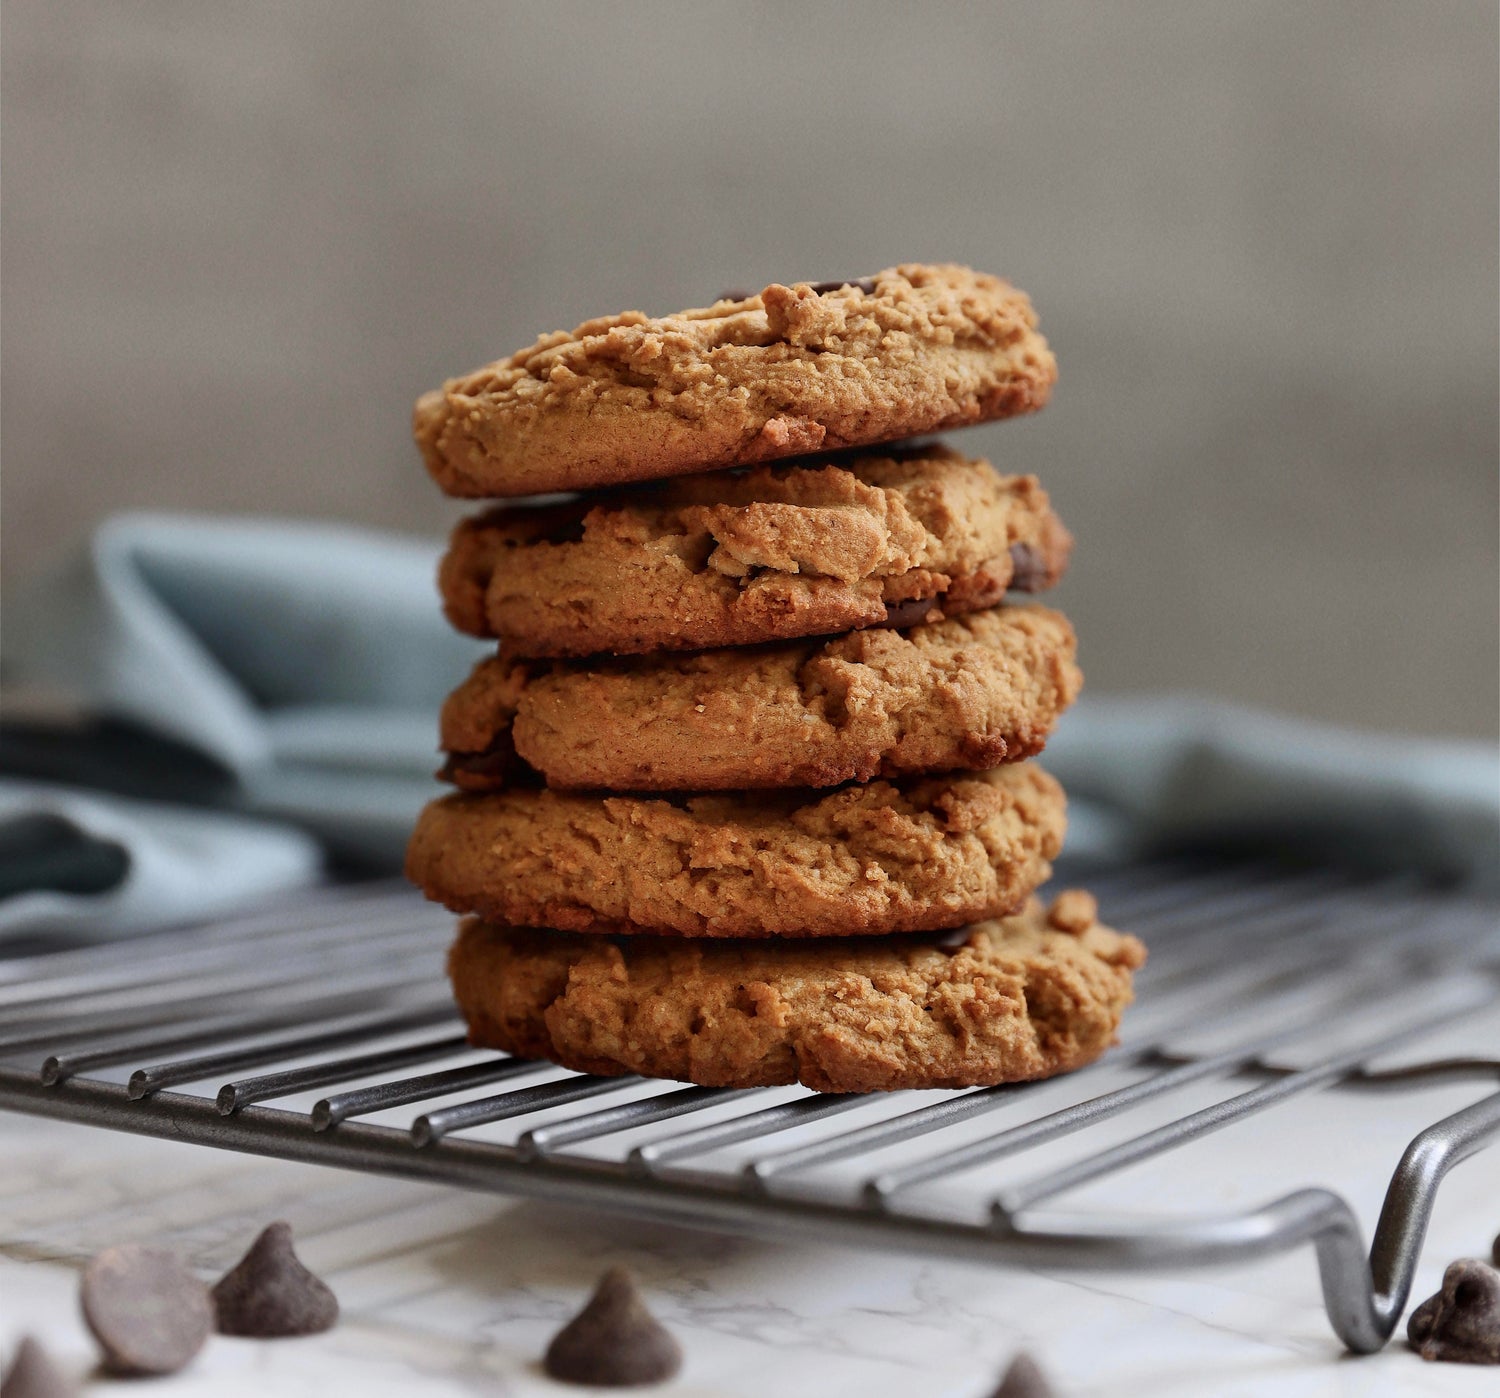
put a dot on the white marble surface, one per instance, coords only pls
(452, 1293)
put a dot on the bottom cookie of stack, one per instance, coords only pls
(1021, 997)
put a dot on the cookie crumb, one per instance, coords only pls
(268, 1294)
(1073, 911)
(32, 1374)
(148, 1312)
(1461, 1324)
(614, 1341)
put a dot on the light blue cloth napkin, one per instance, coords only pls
(1170, 772)
(311, 662)
(177, 864)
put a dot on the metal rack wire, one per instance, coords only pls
(333, 1006)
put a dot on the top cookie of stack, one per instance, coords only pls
(791, 371)
(815, 646)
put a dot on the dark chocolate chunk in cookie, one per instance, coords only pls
(900, 615)
(864, 284)
(1029, 569)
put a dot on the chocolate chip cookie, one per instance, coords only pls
(763, 555)
(969, 692)
(903, 856)
(793, 370)
(1023, 997)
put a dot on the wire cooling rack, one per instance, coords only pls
(1264, 988)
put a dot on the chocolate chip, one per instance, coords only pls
(1028, 568)
(1023, 1380)
(865, 284)
(614, 1340)
(900, 615)
(269, 1294)
(1461, 1324)
(149, 1313)
(1419, 1322)
(32, 1374)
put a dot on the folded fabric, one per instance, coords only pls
(1168, 773)
(307, 664)
(308, 660)
(100, 866)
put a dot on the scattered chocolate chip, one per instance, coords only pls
(32, 1374)
(899, 615)
(1461, 1324)
(269, 1294)
(1028, 568)
(1024, 1379)
(1419, 1322)
(149, 1313)
(864, 284)
(614, 1340)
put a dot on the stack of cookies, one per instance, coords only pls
(744, 796)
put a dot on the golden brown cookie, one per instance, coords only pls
(969, 692)
(764, 555)
(1005, 1001)
(793, 370)
(906, 856)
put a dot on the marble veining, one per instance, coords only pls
(451, 1293)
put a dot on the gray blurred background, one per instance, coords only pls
(238, 240)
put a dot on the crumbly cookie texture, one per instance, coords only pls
(908, 856)
(1005, 1001)
(765, 555)
(793, 370)
(969, 692)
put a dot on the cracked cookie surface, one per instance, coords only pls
(1018, 998)
(769, 554)
(788, 371)
(889, 856)
(967, 692)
